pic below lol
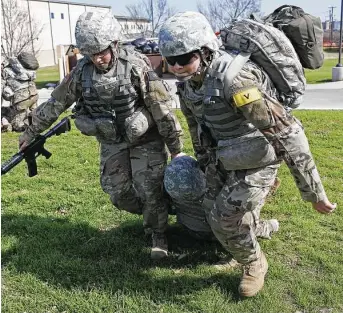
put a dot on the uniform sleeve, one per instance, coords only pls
(61, 99)
(6, 91)
(283, 131)
(156, 96)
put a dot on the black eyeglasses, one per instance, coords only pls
(183, 59)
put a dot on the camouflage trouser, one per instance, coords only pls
(191, 215)
(17, 114)
(233, 202)
(133, 177)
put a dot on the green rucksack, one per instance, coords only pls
(303, 30)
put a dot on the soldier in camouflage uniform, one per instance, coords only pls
(122, 102)
(19, 93)
(242, 133)
(185, 183)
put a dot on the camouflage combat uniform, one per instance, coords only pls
(19, 93)
(240, 135)
(250, 134)
(109, 105)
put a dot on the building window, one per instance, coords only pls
(52, 15)
(62, 16)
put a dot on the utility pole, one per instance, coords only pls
(152, 17)
(340, 38)
(337, 71)
(331, 24)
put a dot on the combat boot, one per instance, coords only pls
(159, 248)
(253, 277)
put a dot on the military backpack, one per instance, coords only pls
(272, 46)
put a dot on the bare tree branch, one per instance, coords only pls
(157, 11)
(19, 31)
(223, 12)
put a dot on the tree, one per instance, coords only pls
(223, 12)
(157, 11)
(19, 30)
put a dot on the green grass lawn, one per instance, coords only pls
(66, 249)
(323, 74)
(46, 75)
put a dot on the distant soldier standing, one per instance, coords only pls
(19, 93)
(121, 101)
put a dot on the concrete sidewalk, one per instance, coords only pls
(325, 96)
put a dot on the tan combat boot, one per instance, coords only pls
(253, 277)
(159, 248)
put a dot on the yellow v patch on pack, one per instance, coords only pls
(247, 96)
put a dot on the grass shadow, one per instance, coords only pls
(76, 255)
(324, 81)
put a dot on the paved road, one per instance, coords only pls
(326, 96)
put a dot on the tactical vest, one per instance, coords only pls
(238, 143)
(209, 106)
(111, 94)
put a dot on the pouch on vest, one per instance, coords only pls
(137, 124)
(101, 127)
(303, 30)
(85, 125)
(252, 150)
(272, 50)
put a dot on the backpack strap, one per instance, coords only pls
(87, 74)
(234, 68)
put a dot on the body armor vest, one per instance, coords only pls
(111, 94)
(209, 106)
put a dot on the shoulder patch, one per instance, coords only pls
(247, 96)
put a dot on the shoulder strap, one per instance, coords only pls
(87, 72)
(235, 66)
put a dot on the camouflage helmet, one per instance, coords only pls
(184, 180)
(95, 31)
(186, 32)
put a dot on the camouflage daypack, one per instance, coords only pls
(303, 30)
(268, 47)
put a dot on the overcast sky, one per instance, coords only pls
(314, 7)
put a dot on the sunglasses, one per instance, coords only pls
(183, 59)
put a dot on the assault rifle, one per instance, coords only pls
(35, 149)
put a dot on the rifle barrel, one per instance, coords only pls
(12, 162)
